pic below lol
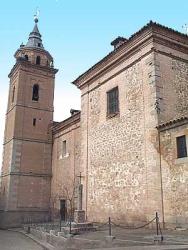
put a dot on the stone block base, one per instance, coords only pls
(158, 239)
(110, 238)
(79, 216)
(10, 219)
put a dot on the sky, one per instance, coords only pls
(77, 33)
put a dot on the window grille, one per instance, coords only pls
(112, 101)
(181, 146)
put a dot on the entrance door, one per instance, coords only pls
(63, 210)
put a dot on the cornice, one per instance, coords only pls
(33, 49)
(66, 123)
(130, 47)
(27, 64)
(27, 174)
(173, 124)
(49, 141)
(155, 32)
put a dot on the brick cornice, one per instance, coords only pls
(129, 48)
(152, 32)
(172, 124)
(66, 123)
(49, 141)
(27, 174)
(25, 65)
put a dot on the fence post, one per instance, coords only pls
(110, 226)
(70, 227)
(157, 223)
(60, 224)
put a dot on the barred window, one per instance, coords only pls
(112, 101)
(181, 146)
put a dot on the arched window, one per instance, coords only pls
(26, 58)
(13, 93)
(35, 96)
(38, 60)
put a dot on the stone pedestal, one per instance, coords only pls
(79, 216)
(158, 239)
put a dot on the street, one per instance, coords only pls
(16, 241)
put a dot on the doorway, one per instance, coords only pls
(63, 210)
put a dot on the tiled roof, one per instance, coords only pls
(173, 123)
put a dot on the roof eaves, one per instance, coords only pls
(173, 123)
(149, 25)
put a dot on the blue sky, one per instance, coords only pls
(77, 33)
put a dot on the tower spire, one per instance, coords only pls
(35, 36)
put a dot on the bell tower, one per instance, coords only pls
(26, 170)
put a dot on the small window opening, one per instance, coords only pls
(38, 60)
(181, 146)
(13, 93)
(35, 96)
(34, 122)
(26, 58)
(64, 148)
(39, 44)
(112, 101)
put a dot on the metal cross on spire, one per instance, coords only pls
(36, 16)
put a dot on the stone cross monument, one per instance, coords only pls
(79, 213)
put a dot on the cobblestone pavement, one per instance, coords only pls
(16, 241)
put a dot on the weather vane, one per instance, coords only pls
(36, 16)
(185, 27)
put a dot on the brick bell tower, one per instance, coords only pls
(26, 170)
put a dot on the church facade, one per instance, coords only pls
(127, 145)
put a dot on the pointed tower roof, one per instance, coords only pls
(35, 40)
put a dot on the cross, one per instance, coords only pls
(80, 177)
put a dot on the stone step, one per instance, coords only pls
(82, 225)
(77, 230)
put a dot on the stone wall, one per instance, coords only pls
(65, 167)
(175, 178)
(120, 181)
(172, 86)
(120, 156)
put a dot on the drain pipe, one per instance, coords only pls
(161, 178)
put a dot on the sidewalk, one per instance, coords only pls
(45, 245)
(124, 240)
(170, 247)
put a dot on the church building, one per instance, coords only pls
(127, 145)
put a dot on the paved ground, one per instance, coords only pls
(135, 239)
(16, 241)
(142, 239)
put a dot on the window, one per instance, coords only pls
(39, 44)
(64, 148)
(181, 146)
(26, 58)
(38, 60)
(34, 122)
(112, 102)
(13, 93)
(35, 96)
